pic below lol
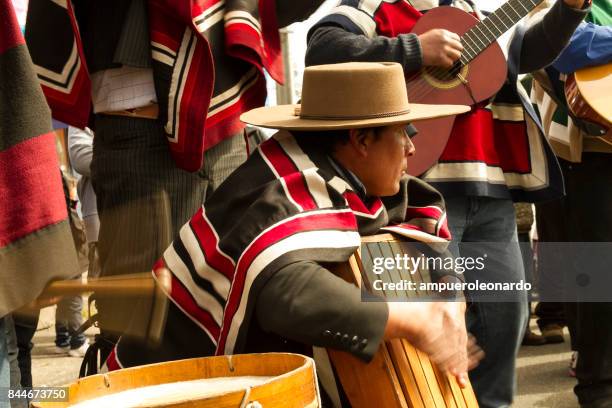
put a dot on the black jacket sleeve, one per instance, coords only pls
(545, 39)
(305, 302)
(330, 44)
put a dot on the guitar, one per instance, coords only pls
(475, 77)
(587, 92)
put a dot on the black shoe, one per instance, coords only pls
(533, 339)
(553, 333)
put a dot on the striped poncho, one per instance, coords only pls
(35, 241)
(590, 45)
(208, 59)
(286, 203)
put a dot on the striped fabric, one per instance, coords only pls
(563, 133)
(35, 241)
(489, 152)
(284, 204)
(208, 61)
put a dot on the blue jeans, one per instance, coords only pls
(497, 326)
(68, 319)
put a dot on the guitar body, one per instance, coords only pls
(587, 92)
(484, 76)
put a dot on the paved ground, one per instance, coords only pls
(542, 371)
(543, 380)
(49, 368)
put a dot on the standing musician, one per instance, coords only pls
(247, 273)
(583, 215)
(488, 161)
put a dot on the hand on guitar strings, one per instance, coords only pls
(438, 330)
(440, 47)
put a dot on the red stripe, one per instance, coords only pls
(244, 42)
(10, 34)
(253, 97)
(164, 30)
(396, 18)
(111, 362)
(185, 300)
(344, 221)
(198, 7)
(74, 107)
(423, 212)
(209, 243)
(272, 56)
(71, 108)
(356, 204)
(512, 146)
(291, 175)
(278, 158)
(227, 122)
(197, 91)
(444, 231)
(476, 137)
(30, 181)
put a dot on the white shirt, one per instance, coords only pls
(122, 88)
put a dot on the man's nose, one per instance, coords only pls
(409, 148)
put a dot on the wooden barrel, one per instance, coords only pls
(280, 380)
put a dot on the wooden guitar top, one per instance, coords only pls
(595, 85)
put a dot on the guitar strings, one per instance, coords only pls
(471, 50)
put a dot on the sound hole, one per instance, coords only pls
(446, 74)
(445, 77)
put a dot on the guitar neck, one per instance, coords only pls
(479, 37)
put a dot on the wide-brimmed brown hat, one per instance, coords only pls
(349, 96)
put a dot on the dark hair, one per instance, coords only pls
(326, 140)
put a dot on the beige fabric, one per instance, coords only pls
(350, 95)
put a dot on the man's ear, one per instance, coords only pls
(359, 141)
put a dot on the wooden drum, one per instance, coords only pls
(239, 381)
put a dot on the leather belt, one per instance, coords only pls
(144, 112)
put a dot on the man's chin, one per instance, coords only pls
(389, 192)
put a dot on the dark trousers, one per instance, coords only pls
(550, 222)
(25, 328)
(143, 199)
(586, 216)
(550, 313)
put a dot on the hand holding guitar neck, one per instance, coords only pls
(440, 47)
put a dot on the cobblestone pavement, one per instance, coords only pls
(543, 381)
